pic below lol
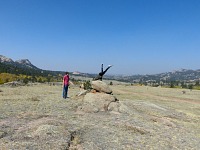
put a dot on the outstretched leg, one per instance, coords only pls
(100, 76)
(106, 69)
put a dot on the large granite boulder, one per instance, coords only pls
(100, 86)
(100, 101)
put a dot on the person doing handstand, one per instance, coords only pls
(100, 76)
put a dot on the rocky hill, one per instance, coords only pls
(25, 63)
(4, 59)
(23, 66)
(178, 75)
(22, 63)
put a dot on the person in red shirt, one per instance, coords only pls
(65, 85)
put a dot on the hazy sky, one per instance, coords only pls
(136, 36)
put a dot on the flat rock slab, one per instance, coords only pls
(101, 87)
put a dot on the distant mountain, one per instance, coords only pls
(178, 75)
(23, 66)
(4, 59)
(25, 63)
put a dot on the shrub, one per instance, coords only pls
(87, 85)
(197, 83)
(190, 86)
(25, 80)
(40, 80)
(172, 85)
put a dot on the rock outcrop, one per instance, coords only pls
(4, 59)
(100, 86)
(99, 99)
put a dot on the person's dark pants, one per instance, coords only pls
(65, 90)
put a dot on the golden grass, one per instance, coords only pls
(29, 112)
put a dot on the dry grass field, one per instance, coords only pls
(36, 117)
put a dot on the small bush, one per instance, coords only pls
(87, 85)
(25, 80)
(190, 86)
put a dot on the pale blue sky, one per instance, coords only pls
(136, 36)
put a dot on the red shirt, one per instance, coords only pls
(66, 79)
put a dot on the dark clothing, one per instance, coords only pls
(100, 76)
(65, 90)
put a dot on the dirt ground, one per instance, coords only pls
(36, 117)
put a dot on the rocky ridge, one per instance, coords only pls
(4, 59)
(20, 63)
